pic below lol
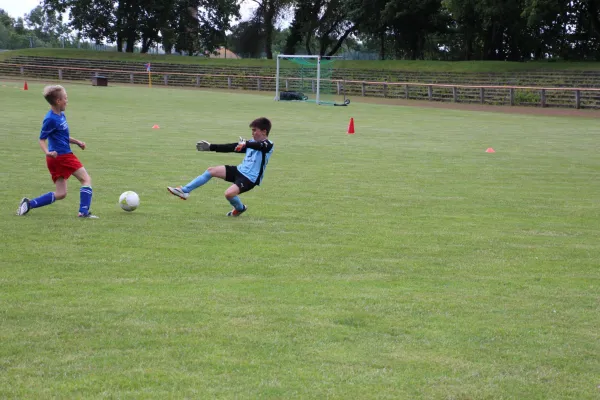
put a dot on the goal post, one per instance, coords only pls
(308, 78)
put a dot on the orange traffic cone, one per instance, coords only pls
(155, 127)
(490, 150)
(351, 127)
(25, 87)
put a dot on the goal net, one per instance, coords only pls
(308, 79)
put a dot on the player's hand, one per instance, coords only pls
(203, 145)
(81, 145)
(52, 154)
(241, 145)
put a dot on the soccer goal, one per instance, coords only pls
(308, 79)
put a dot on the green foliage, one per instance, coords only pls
(526, 96)
(38, 29)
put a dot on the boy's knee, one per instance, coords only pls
(60, 196)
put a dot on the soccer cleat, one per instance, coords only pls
(24, 206)
(177, 191)
(236, 213)
(88, 215)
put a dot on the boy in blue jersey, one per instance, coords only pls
(245, 176)
(55, 141)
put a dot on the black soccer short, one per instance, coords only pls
(234, 176)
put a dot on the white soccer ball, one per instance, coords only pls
(129, 200)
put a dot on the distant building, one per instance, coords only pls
(223, 52)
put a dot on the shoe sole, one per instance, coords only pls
(236, 215)
(19, 209)
(175, 194)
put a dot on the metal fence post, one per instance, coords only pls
(131, 77)
(511, 94)
(482, 95)
(60, 74)
(454, 94)
(166, 79)
(363, 88)
(543, 98)
(228, 82)
(577, 99)
(430, 92)
(406, 92)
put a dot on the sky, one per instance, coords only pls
(18, 8)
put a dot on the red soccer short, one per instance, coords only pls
(63, 166)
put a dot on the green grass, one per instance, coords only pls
(397, 65)
(399, 262)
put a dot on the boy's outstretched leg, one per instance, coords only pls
(183, 192)
(41, 201)
(45, 199)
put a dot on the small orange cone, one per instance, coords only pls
(25, 87)
(155, 127)
(351, 127)
(490, 150)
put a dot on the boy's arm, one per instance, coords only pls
(44, 147)
(77, 142)
(264, 146)
(203, 145)
(48, 127)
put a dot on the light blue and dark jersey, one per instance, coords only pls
(257, 157)
(56, 130)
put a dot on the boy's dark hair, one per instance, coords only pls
(261, 123)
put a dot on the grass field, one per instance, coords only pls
(392, 65)
(400, 262)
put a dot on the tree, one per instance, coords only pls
(186, 25)
(323, 25)
(47, 26)
(267, 13)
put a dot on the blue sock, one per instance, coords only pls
(85, 199)
(236, 203)
(42, 201)
(196, 183)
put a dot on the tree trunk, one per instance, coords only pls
(382, 44)
(130, 40)
(269, 20)
(341, 40)
(146, 43)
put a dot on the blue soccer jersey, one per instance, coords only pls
(56, 130)
(257, 157)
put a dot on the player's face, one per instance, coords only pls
(62, 101)
(258, 134)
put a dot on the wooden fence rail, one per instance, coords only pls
(484, 94)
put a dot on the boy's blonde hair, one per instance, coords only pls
(53, 93)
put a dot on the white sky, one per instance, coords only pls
(18, 8)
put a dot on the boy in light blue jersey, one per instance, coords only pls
(245, 176)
